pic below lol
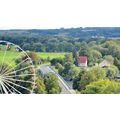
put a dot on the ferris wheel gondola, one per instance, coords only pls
(17, 72)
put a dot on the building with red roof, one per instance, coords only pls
(82, 61)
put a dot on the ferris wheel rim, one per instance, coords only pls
(34, 79)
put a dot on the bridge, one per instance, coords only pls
(65, 88)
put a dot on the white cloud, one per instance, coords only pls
(40, 14)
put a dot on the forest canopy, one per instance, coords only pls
(60, 40)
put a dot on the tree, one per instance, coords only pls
(25, 78)
(60, 70)
(109, 58)
(77, 79)
(112, 71)
(99, 72)
(58, 65)
(67, 67)
(41, 89)
(68, 58)
(51, 83)
(92, 43)
(75, 56)
(73, 72)
(114, 50)
(54, 61)
(102, 86)
(96, 55)
(34, 57)
(117, 63)
(86, 79)
(86, 51)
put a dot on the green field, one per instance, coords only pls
(10, 56)
(45, 55)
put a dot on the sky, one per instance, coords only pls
(50, 14)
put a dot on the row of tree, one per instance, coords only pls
(53, 43)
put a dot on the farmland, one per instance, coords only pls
(44, 55)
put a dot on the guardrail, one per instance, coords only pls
(61, 78)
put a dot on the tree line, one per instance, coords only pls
(53, 43)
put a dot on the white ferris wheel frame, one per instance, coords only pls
(4, 85)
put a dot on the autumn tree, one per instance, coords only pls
(34, 57)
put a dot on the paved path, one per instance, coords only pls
(65, 89)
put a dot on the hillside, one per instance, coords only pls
(60, 40)
(71, 32)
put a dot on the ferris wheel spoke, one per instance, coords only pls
(14, 67)
(7, 87)
(4, 89)
(12, 87)
(19, 70)
(18, 85)
(11, 68)
(3, 58)
(20, 75)
(18, 80)
(1, 89)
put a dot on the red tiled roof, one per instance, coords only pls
(82, 59)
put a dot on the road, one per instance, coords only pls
(64, 87)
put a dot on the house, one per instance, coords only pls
(82, 61)
(104, 63)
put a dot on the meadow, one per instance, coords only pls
(10, 56)
(52, 55)
(43, 55)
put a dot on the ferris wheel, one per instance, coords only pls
(17, 72)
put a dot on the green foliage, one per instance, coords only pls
(73, 72)
(112, 71)
(51, 83)
(54, 61)
(86, 51)
(96, 56)
(60, 70)
(109, 58)
(77, 79)
(41, 89)
(75, 56)
(117, 63)
(102, 86)
(58, 65)
(68, 58)
(25, 78)
(99, 72)
(86, 79)
(65, 70)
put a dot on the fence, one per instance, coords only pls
(61, 78)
